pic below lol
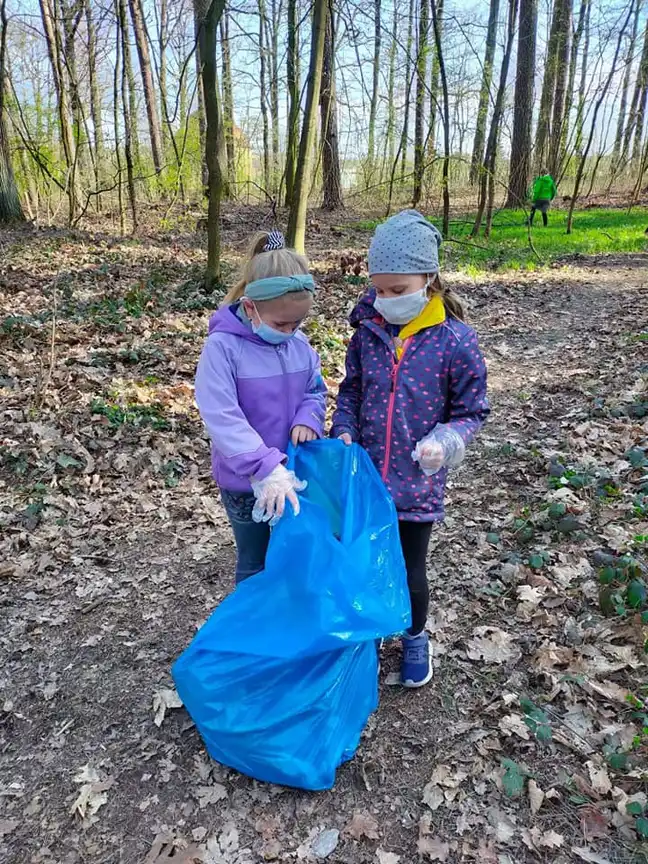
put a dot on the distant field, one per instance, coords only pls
(595, 232)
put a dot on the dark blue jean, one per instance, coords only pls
(251, 537)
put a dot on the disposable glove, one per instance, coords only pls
(271, 494)
(442, 448)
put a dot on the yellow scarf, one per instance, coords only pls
(433, 314)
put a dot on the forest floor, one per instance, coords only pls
(115, 548)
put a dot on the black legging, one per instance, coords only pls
(415, 538)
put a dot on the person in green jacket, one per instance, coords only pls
(542, 194)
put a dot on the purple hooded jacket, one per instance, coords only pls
(250, 394)
(389, 405)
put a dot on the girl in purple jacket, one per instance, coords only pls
(414, 395)
(259, 386)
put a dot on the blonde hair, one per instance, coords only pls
(259, 264)
(452, 302)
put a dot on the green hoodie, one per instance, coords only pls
(544, 188)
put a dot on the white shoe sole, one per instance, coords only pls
(414, 685)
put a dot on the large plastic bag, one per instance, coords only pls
(282, 678)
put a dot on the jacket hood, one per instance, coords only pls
(226, 320)
(364, 309)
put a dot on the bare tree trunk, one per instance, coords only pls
(228, 99)
(582, 87)
(273, 42)
(543, 131)
(597, 108)
(54, 50)
(434, 89)
(208, 14)
(419, 119)
(573, 62)
(390, 144)
(10, 206)
(294, 99)
(623, 103)
(520, 166)
(263, 95)
(139, 27)
(331, 178)
(373, 108)
(562, 62)
(95, 99)
(163, 39)
(636, 98)
(408, 87)
(70, 15)
(202, 122)
(299, 203)
(116, 86)
(484, 93)
(487, 176)
(642, 86)
(125, 95)
(446, 118)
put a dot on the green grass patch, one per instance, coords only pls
(131, 415)
(595, 232)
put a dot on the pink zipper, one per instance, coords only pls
(390, 410)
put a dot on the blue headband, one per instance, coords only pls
(277, 286)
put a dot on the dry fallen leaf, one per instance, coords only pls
(7, 826)
(363, 825)
(92, 794)
(433, 796)
(599, 778)
(163, 700)
(387, 857)
(536, 797)
(594, 822)
(492, 645)
(433, 848)
(502, 823)
(165, 851)
(535, 839)
(513, 724)
(208, 795)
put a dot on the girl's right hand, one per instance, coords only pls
(346, 438)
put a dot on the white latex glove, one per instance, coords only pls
(271, 494)
(442, 448)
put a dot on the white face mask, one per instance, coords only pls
(403, 309)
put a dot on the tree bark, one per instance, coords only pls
(292, 136)
(520, 165)
(228, 99)
(299, 203)
(163, 38)
(208, 14)
(487, 177)
(10, 206)
(331, 177)
(273, 42)
(484, 93)
(117, 74)
(446, 118)
(582, 87)
(562, 67)
(139, 27)
(419, 119)
(390, 144)
(373, 108)
(642, 94)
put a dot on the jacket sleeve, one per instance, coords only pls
(468, 403)
(238, 444)
(347, 414)
(312, 410)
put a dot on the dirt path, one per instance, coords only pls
(115, 549)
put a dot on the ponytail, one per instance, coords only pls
(453, 304)
(262, 262)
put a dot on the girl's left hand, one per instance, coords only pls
(301, 434)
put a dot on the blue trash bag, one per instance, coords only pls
(283, 677)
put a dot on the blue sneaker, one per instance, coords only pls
(416, 667)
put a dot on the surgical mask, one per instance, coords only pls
(403, 309)
(269, 334)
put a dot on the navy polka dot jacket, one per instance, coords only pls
(388, 405)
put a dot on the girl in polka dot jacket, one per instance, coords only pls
(414, 396)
